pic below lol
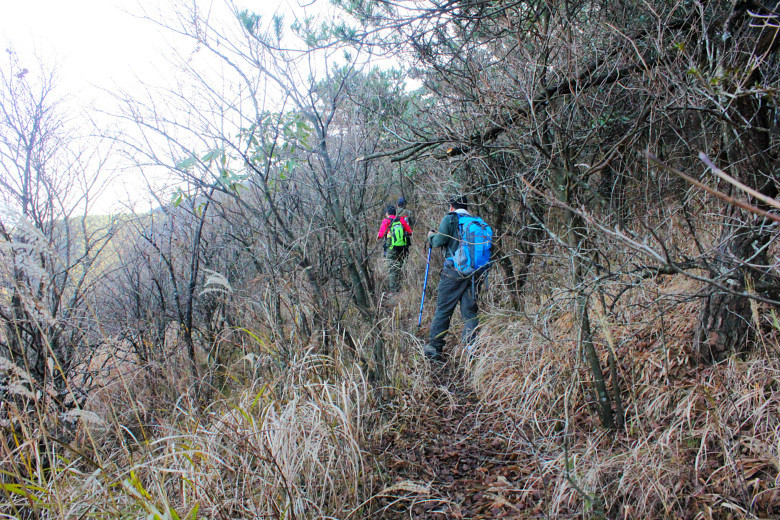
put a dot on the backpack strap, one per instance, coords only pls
(392, 221)
(389, 224)
(456, 221)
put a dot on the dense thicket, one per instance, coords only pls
(573, 123)
(625, 153)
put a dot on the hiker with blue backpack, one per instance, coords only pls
(466, 241)
(395, 231)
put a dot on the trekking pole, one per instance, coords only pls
(425, 285)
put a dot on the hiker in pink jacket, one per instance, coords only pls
(395, 231)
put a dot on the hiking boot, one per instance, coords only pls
(431, 354)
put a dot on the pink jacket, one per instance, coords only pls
(386, 225)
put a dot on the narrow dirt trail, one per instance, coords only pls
(450, 463)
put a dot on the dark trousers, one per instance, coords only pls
(453, 289)
(395, 257)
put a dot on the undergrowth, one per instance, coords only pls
(285, 445)
(296, 439)
(699, 441)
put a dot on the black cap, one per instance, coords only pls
(390, 209)
(459, 201)
(401, 202)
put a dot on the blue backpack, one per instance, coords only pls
(474, 244)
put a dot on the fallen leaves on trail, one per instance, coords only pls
(450, 464)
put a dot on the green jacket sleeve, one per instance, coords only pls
(446, 234)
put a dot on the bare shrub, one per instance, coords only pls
(696, 438)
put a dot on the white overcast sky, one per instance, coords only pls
(98, 45)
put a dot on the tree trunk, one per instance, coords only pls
(586, 335)
(725, 319)
(589, 350)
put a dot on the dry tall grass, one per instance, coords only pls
(699, 441)
(287, 446)
(294, 441)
